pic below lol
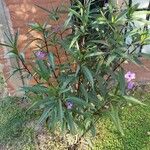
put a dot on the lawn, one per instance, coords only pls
(136, 124)
(17, 132)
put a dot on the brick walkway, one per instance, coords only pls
(142, 72)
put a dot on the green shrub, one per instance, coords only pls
(77, 66)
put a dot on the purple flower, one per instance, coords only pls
(129, 76)
(69, 105)
(41, 54)
(131, 85)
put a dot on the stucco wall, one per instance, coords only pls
(8, 63)
(16, 14)
(23, 12)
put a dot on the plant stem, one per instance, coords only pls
(45, 41)
(102, 108)
(79, 83)
(61, 36)
(98, 113)
(26, 68)
(20, 71)
(46, 45)
(118, 65)
(57, 54)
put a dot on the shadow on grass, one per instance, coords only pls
(135, 121)
(12, 128)
(13, 132)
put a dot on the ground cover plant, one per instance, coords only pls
(77, 67)
(17, 132)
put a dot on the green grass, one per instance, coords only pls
(13, 130)
(18, 135)
(136, 124)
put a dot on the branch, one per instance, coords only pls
(118, 65)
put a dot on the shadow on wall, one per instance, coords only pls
(23, 12)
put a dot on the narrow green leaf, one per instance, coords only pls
(133, 100)
(77, 71)
(110, 59)
(73, 41)
(68, 20)
(75, 13)
(70, 121)
(77, 101)
(52, 120)
(36, 26)
(51, 60)
(103, 88)
(36, 89)
(16, 40)
(9, 37)
(66, 82)
(115, 118)
(87, 73)
(6, 45)
(60, 111)
(44, 72)
(122, 15)
(12, 53)
(84, 92)
(101, 42)
(44, 102)
(121, 81)
(94, 54)
(44, 116)
(65, 90)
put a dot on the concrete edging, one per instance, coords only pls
(7, 62)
